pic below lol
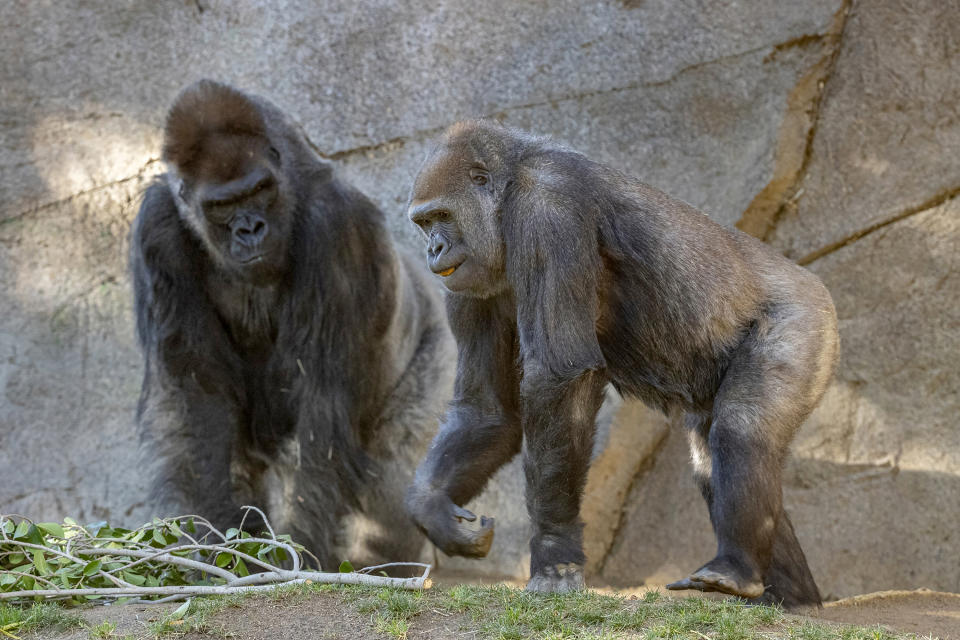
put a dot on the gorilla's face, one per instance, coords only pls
(238, 202)
(456, 202)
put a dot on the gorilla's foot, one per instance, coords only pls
(558, 578)
(445, 524)
(720, 574)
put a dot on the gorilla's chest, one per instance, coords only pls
(251, 316)
(249, 313)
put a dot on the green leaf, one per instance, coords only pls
(34, 536)
(69, 521)
(232, 533)
(159, 538)
(241, 568)
(180, 611)
(153, 581)
(16, 558)
(223, 559)
(9, 527)
(40, 563)
(22, 528)
(175, 528)
(134, 578)
(7, 579)
(91, 568)
(346, 567)
(191, 527)
(51, 528)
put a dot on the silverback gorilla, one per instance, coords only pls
(294, 359)
(565, 275)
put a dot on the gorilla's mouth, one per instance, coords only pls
(446, 272)
(252, 259)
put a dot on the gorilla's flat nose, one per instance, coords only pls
(249, 230)
(437, 246)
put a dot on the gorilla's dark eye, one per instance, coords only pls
(183, 191)
(275, 154)
(442, 215)
(478, 176)
(263, 185)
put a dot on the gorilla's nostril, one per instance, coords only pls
(437, 247)
(250, 230)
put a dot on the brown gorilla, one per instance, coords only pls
(565, 275)
(294, 358)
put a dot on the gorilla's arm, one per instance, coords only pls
(480, 433)
(189, 405)
(552, 266)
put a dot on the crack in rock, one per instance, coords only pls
(500, 114)
(100, 187)
(644, 469)
(937, 200)
(797, 132)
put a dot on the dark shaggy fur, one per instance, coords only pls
(295, 360)
(565, 275)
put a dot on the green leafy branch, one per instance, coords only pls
(167, 559)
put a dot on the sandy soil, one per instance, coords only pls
(923, 612)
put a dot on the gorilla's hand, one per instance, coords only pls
(445, 524)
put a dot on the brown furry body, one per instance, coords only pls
(295, 359)
(568, 275)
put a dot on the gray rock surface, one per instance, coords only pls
(887, 133)
(827, 126)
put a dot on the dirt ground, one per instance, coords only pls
(922, 612)
(925, 613)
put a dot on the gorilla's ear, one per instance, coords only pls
(553, 264)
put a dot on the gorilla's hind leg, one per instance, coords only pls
(788, 579)
(729, 572)
(766, 393)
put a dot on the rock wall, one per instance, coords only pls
(827, 127)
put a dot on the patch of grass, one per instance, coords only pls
(103, 631)
(106, 631)
(396, 627)
(195, 614)
(502, 613)
(492, 613)
(391, 609)
(297, 592)
(18, 619)
(813, 631)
